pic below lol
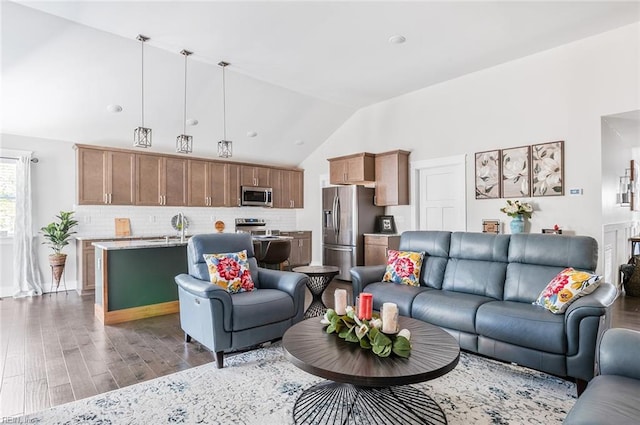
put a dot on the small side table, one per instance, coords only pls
(319, 279)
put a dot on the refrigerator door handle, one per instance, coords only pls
(333, 214)
(338, 215)
(339, 249)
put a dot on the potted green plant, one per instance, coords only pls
(57, 235)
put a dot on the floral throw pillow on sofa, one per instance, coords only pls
(230, 271)
(565, 288)
(403, 267)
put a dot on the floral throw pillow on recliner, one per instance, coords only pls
(403, 267)
(230, 271)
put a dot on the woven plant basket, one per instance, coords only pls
(57, 262)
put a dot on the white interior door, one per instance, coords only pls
(440, 193)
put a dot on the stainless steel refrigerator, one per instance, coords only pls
(348, 213)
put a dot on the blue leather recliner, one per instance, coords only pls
(612, 397)
(222, 321)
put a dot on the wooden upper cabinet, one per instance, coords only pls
(148, 183)
(120, 167)
(255, 176)
(91, 177)
(217, 180)
(174, 181)
(288, 186)
(198, 190)
(232, 186)
(352, 169)
(279, 197)
(161, 180)
(105, 177)
(392, 178)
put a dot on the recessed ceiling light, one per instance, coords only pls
(251, 134)
(192, 121)
(397, 39)
(114, 108)
(299, 142)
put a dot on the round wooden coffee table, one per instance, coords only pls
(363, 388)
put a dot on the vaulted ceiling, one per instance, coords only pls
(298, 69)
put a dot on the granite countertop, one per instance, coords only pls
(139, 244)
(270, 238)
(122, 238)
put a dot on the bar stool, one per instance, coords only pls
(276, 253)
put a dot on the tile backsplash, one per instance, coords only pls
(98, 220)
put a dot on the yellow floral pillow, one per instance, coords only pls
(230, 271)
(404, 267)
(565, 288)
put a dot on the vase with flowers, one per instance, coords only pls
(518, 211)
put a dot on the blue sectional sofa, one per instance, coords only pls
(480, 287)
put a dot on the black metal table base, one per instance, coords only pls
(334, 403)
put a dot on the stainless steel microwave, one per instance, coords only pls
(257, 196)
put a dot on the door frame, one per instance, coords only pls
(417, 166)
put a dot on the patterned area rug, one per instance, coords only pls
(261, 387)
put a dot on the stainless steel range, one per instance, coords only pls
(250, 225)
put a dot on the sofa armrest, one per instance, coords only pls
(361, 276)
(592, 305)
(618, 353)
(289, 282)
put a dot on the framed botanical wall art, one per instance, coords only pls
(488, 174)
(547, 165)
(516, 172)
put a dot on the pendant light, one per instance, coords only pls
(184, 143)
(225, 147)
(142, 135)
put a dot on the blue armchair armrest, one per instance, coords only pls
(289, 282)
(618, 353)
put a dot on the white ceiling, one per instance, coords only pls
(298, 69)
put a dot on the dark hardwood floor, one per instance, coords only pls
(53, 350)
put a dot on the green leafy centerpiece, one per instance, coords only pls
(367, 333)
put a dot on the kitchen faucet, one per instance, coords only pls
(181, 221)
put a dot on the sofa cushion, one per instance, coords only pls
(403, 267)
(435, 245)
(566, 287)
(452, 310)
(260, 307)
(402, 295)
(230, 271)
(608, 399)
(535, 259)
(522, 324)
(477, 264)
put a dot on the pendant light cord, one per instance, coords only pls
(184, 121)
(142, 75)
(224, 107)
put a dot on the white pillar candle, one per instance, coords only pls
(389, 317)
(340, 301)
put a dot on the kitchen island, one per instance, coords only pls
(135, 278)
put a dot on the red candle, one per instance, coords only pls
(365, 309)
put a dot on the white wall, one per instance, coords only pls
(559, 94)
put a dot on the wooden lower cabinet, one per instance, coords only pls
(300, 248)
(376, 248)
